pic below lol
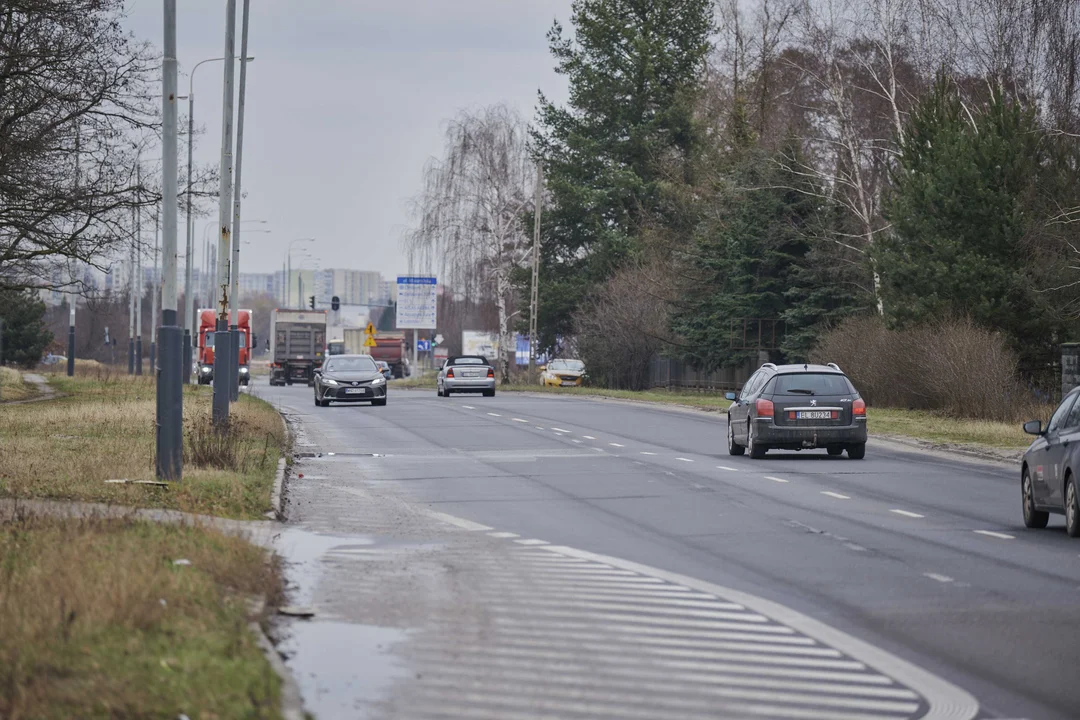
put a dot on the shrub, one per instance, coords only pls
(950, 366)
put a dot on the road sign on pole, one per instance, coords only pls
(370, 329)
(369, 341)
(417, 303)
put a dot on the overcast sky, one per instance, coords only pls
(346, 101)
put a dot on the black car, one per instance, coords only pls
(797, 407)
(1051, 466)
(349, 378)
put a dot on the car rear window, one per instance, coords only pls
(811, 384)
(468, 361)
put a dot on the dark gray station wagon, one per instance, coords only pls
(797, 407)
(1051, 468)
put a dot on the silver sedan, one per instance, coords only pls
(466, 373)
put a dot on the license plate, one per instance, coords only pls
(472, 373)
(568, 382)
(814, 415)
(356, 391)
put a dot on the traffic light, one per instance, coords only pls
(311, 301)
(335, 303)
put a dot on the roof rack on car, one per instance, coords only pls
(836, 367)
(769, 365)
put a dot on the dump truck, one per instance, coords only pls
(390, 347)
(298, 339)
(205, 345)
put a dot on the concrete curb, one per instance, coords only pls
(276, 495)
(292, 707)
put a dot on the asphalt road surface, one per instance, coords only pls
(534, 556)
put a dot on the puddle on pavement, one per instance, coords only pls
(303, 552)
(342, 669)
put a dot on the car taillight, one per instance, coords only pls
(491, 372)
(450, 373)
(858, 408)
(764, 408)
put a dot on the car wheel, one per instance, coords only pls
(489, 393)
(856, 451)
(1032, 518)
(1072, 508)
(835, 450)
(757, 450)
(732, 447)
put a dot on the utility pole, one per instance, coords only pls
(190, 327)
(155, 286)
(534, 293)
(138, 274)
(222, 342)
(131, 298)
(170, 390)
(234, 366)
(71, 272)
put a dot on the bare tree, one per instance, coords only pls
(470, 213)
(73, 90)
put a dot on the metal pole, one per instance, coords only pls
(413, 368)
(234, 324)
(138, 276)
(535, 291)
(288, 283)
(170, 391)
(71, 333)
(284, 284)
(154, 287)
(222, 343)
(131, 298)
(189, 235)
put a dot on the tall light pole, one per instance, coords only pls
(154, 291)
(170, 391)
(191, 322)
(222, 343)
(534, 291)
(288, 276)
(234, 324)
(138, 273)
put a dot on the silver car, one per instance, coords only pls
(466, 373)
(1051, 468)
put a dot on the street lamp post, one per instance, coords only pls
(190, 320)
(234, 325)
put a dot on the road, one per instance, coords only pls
(535, 556)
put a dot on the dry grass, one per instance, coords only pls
(103, 429)
(13, 387)
(97, 621)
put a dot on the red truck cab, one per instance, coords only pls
(207, 325)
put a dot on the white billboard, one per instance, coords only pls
(417, 303)
(480, 343)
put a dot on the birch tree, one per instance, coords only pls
(470, 213)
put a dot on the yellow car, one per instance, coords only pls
(563, 373)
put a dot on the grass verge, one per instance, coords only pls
(104, 429)
(97, 621)
(915, 424)
(425, 379)
(13, 387)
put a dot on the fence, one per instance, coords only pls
(669, 373)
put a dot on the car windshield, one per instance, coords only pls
(350, 364)
(812, 384)
(469, 361)
(571, 365)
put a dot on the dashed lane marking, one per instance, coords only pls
(939, 578)
(503, 535)
(998, 535)
(519, 420)
(647, 453)
(531, 541)
(468, 407)
(616, 445)
(684, 459)
(588, 437)
(836, 495)
(906, 513)
(494, 414)
(555, 429)
(776, 479)
(725, 467)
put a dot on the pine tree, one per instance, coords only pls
(26, 334)
(634, 68)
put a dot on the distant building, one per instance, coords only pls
(387, 292)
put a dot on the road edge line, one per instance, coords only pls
(946, 701)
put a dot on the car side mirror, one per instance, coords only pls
(1033, 427)
(317, 371)
(731, 396)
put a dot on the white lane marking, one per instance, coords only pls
(636, 599)
(725, 467)
(776, 479)
(684, 459)
(588, 437)
(503, 535)
(531, 541)
(855, 547)
(907, 513)
(494, 414)
(519, 420)
(540, 428)
(468, 407)
(991, 533)
(559, 430)
(939, 578)
(647, 453)
(945, 700)
(542, 636)
(636, 619)
(838, 496)
(616, 445)
(456, 521)
(575, 440)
